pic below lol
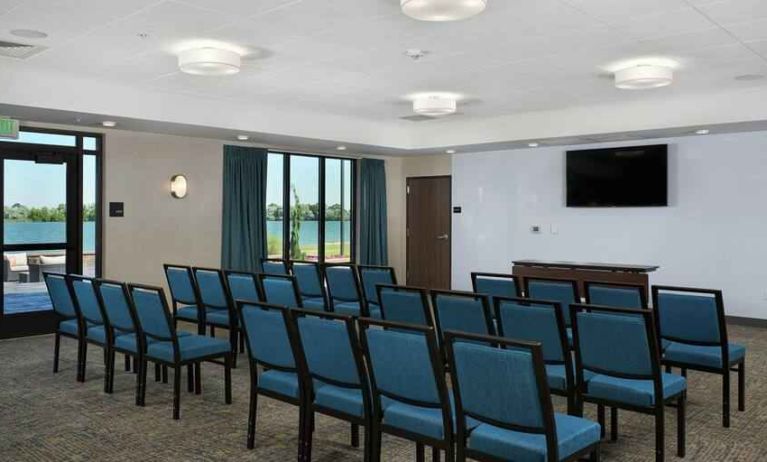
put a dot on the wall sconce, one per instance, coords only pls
(178, 186)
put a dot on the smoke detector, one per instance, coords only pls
(416, 54)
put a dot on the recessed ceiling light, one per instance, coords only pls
(341, 148)
(209, 61)
(702, 131)
(450, 151)
(29, 33)
(442, 10)
(533, 145)
(243, 137)
(435, 105)
(109, 123)
(749, 77)
(643, 77)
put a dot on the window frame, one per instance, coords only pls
(322, 186)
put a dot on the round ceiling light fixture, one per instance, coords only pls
(702, 131)
(644, 77)
(533, 144)
(209, 61)
(109, 123)
(435, 105)
(243, 137)
(442, 10)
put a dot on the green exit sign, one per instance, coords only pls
(9, 128)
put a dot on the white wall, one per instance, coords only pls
(713, 234)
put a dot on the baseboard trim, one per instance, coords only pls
(750, 322)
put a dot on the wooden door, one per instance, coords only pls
(428, 231)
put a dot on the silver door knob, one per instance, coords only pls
(442, 237)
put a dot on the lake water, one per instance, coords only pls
(40, 233)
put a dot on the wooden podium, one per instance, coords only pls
(581, 272)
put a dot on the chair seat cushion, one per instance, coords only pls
(280, 382)
(347, 308)
(190, 347)
(707, 356)
(69, 326)
(630, 391)
(375, 310)
(422, 420)
(97, 333)
(313, 303)
(573, 435)
(187, 313)
(127, 341)
(216, 317)
(556, 377)
(341, 399)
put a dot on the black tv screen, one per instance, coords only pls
(633, 176)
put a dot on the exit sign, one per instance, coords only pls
(9, 128)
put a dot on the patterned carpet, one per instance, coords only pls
(47, 417)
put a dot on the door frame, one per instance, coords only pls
(407, 225)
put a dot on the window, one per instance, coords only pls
(317, 224)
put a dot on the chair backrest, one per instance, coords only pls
(181, 284)
(690, 315)
(405, 365)
(564, 291)
(281, 290)
(86, 299)
(534, 321)
(343, 283)
(618, 342)
(461, 311)
(504, 387)
(496, 285)
(274, 266)
(620, 295)
(115, 300)
(327, 347)
(212, 287)
(243, 285)
(371, 276)
(409, 305)
(266, 334)
(151, 311)
(61, 296)
(309, 278)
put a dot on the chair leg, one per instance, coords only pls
(660, 445)
(127, 363)
(419, 453)
(375, 446)
(157, 372)
(596, 456)
(212, 331)
(83, 361)
(164, 373)
(197, 379)
(601, 420)
(435, 455)
(668, 369)
(140, 378)
(56, 348)
(135, 366)
(367, 441)
(176, 392)
(190, 378)
(141, 400)
(309, 435)
(613, 424)
(742, 386)
(228, 379)
(684, 372)
(233, 341)
(242, 341)
(355, 435)
(681, 425)
(726, 399)
(109, 377)
(253, 408)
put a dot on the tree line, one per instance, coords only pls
(19, 212)
(308, 212)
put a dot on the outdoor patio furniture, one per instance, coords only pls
(14, 264)
(46, 263)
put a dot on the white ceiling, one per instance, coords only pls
(345, 57)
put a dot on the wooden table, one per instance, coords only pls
(581, 272)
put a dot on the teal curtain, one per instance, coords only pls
(373, 235)
(243, 237)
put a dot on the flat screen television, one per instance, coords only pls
(635, 176)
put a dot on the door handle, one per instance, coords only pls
(442, 237)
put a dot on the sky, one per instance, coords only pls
(305, 175)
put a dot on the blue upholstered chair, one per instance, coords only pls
(409, 305)
(184, 296)
(266, 335)
(693, 334)
(564, 291)
(218, 306)
(410, 396)
(619, 295)
(372, 276)
(503, 407)
(95, 331)
(542, 322)
(68, 322)
(332, 371)
(461, 311)
(496, 285)
(164, 346)
(618, 365)
(345, 292)
(243, 286)
(280, 290)
(274, 266)
(310, 285)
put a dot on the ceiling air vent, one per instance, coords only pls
(19, 50)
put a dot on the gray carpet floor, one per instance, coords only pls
(51, 417)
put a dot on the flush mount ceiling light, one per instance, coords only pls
(450, 151)
(109, 123)
(533, 145)
(341, 148)
(243, 137)
(209, 61)
(643, 77)
(442, 10)
(434, 105)
(702, 131)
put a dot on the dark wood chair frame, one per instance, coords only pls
(247, 274)
(285, 264)
(85, 341)
(479, 275)
(320, 279)
(657, 410)
(576, 293)
(727, 366)
(233, 326)
(614, 285)
(364, 312)
(57, 334)
(293, 283)
(175, 301)
(549, 427)
(361, 268)
(484, 299)
(422, 293)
